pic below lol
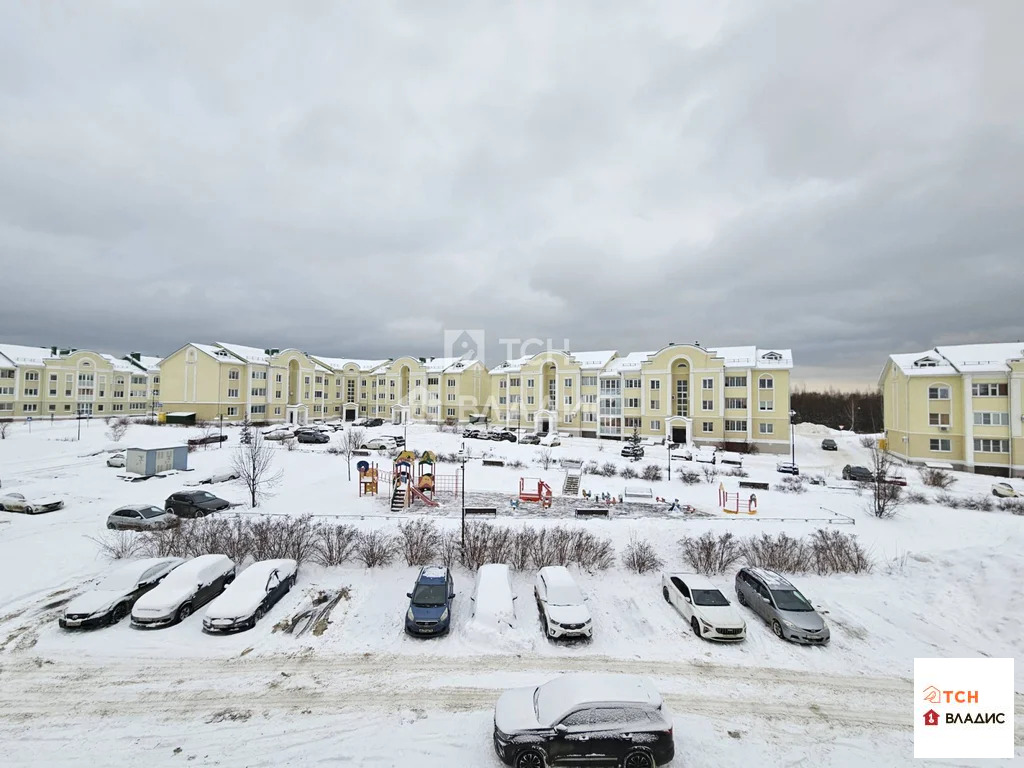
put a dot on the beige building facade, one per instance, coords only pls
(959, 406)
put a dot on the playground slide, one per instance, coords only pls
(417, 494)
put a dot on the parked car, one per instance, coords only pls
(562, 606)
(584, 719)
(248, 598)
(360, 422)
(117, 460)
(492, 604)
(706, 455)
(279, 433)
(207, 440)
(474, 433)
(399, 439)
(860, 474)
(430, 602)
(702, 604)
(787, 468)
(375, 422)
(34, 505)
(550, 440)
(113, 597)
(141, 517)
(530, 439)
(186, 588)
(224, 476)
(194, 503)
(1004, 490)
(772, 597)
(319, 429)
(632, 451)
(828, 444)
(379, 444)
(314, 438)
(502, 434)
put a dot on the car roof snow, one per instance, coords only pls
(571, 691)
(694, 580)
(433, 573)
(771, 578)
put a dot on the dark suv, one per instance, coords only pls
(430, 602)
(860, 474)
(828, 444)
(194, 503)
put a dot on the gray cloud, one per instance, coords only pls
(841, 178)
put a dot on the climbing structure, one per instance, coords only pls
(732, 504)
(534, 490)
(367, 478)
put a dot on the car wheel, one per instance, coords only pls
(530, 758)
(110, 526)
(638, 758)
(2, 508)
(740, 598)
(695, 626)
(777, 628)
(184, 612)
(119, 612)
(664, 593)
(260, 613)
(169, 510)
(30, 510)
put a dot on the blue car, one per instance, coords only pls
(430, 602)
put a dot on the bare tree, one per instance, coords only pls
(886, 496)
(851, 411)
(4, 426)
(351, 439)
(545, 458)
(254, 463)
(118, 428)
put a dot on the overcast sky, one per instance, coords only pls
(842, 178)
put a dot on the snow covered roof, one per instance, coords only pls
(512, 366)
(213, 351)
(558, 697)
(963, 358)
(19, 355)
(145, 362)
(589, 361)
(119, 364)
(630, 363)
(337, 363)
(754, 357)
(249, 354)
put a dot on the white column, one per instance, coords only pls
(750, 400)
(968, 413)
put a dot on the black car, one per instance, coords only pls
(530, 439)
(112, 599)
(194, 503)
(584, 719)
(207, 440)
(506, 435)
(633, 451)
(860, 474)
(250, 596)
(375, 422)
(314, 436)
(828, 444)
(399, 439)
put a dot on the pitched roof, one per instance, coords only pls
(960, 358)
(119, 364)
(145, 362)
(249, 354)
(512, 366)
(20, 355)
(594, 360)
(628, 363)
(337, 363)
(754, 357)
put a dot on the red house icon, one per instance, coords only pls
(931, 717)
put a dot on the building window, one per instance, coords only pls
(941, 419)
(53, 407)
(938, 392)
(529, 382)
(277, 378)
(451, 382)
(277, 394)
(986, 445)
(53, 377)
(232, 393)
(451, 411)
(655, 384)
(707, 405)
(568, 383)
(258, 409)
(735, 425)
(739, 403)
(939, 444)
(277, 411)
(567, 419)
(306, 380)
(568, 399)
(31, 375)
(53, 393)
(766, 429)
(632, 402)
(993, 418)
(514, 381)
(234, 374)
(588, 381)
(708, 426)
(766, 405)
(432, 381)
(735, 381)
(708, 384)
(655, 405)
(114, 407)
(7, 373)
(259, 391)
(766, 382)
(232, 410)
(32, 392)
(656, 424)
(30, 408)
(988, 390)
(529, 400)
(632, 383)
(633, 422)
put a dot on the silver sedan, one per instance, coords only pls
(141, 517)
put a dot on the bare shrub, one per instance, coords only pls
(790, 485)
(652, 472)
(542, 554)
(837, 552)
(501, 545)
(1016, 506)
(640, 556)
(375, 548)
(120, 545)
(937, 478)
(515, 464)
(351, 439)
(609, 469)
(886, 497)
(916, 497)
(335, 450)
(448, 548)
(560, 539)
(591, 468)
(978, 503)
(477, 547)
(523, 542)
(5, 424)
(689, 476)
(118, 428)
(710, 473)
(710, 554)
(334, 544)
(289, 443)
(868, 441)
(283, 537)
(628, 473)
(947, 500)
(777, 553)
(735, 472)
(544, 458)
(419, 541)
(590, 552)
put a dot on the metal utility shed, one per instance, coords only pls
(181, 417)
(152, 461)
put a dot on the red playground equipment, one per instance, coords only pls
(542, 494)
(733, 505)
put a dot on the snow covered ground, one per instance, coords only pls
(947, 583)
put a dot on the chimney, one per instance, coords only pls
(53, 351)
(136, 356)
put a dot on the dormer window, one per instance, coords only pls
(774, 356)
(926, 362)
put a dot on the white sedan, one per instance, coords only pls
(1004, 490)
(16, 502)
(709, 612)
(550, 440)
(380, 444)
(561, 604)
(117, 460)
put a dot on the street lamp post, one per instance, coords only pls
(221, 431)
(462, 461)
(792, 437)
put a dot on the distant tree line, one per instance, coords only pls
(855, 411)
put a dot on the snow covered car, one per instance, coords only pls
(217, 477)
(17, 502)
(187, 587)
(474, 433)
(502, 434)
(379, 444)
(430, 602)
(550, 440)
(117, 460)
(790, 615)
(279, 433)
(632, 451)
(787, 468)
(530, 439)
(141, 517)
(706, 455)
(562, 606)
(111, 600)
(584, 719)
(710, 615)
(860, 474)
(256, 590)
(1004, 490)
(492, 603)
(313, 437)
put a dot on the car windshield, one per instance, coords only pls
(790, 600)
(204, 496)
(149, 512)
(564, 594)
(708, 597)
(428, 594)
(119, 581)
